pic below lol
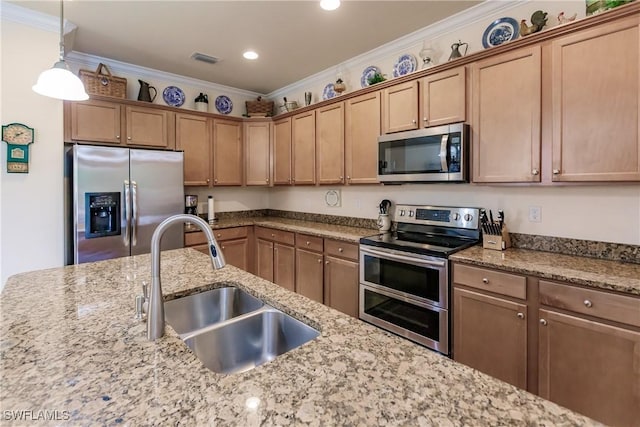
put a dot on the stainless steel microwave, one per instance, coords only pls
(436, 154)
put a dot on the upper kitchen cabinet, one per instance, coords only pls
(282, 152)
(303, 137)
(193, 137)
(119, 123)
(227, 152)
(400, 107)
(444, 97)
(257, 136)
(362, 129)
(506, 116)
(595, 92)
(330, 144)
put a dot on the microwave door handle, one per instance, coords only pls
(444, 142)
(134, 221)
(127, 212)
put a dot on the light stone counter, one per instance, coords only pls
(69, 343)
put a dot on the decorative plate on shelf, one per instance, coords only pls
(224, 104)
(368, 72)
(406, 64)
(329, 92)
(500, 31)
(173, 96)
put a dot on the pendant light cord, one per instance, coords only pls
(61, 30)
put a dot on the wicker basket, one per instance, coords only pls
(98, 83)
(259, 108)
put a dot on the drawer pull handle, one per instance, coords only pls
(520, 315)
(588, 303)
(308, 243)
(219, 234)
(326, 262)
(485, 280)
(319, 260)
(543, 322)
(223, 247)
(340, 250)
(535, 172)
(273, 235)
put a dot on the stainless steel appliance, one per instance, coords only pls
(191, 204)
(436, 154)
(404, 275)
(116, 197)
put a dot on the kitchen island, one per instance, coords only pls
(71, 347)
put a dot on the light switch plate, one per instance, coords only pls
(535, 214)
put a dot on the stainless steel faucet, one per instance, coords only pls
(155, 315)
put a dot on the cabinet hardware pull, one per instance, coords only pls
(520, 315)
(556, 171)
(117, 136)
(535, 172)
(341, 178)
(425, 119)
(223, 247)
(273, 235)
(326, 262)
(348, 177)
(208, 180)
(543, 322)
(215, 181)
(340, 250)
(267, 180)
(485, 280)
(219, 234)
(319, 260)
(413, 121)
(588, 303)
(308, 243)
(129, 138)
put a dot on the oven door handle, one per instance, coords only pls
(397, 257)
(444, 143)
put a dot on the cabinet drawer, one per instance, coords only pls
(286, 237)
(618, 308)
(195, 238)
(312, 243)
(507, 284)
(341, 249)
(230, 233)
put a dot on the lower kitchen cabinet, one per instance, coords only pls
(284, 266)
(341, 283)
(264, 259)
(275, 256)
(233, 242)
(309, 272)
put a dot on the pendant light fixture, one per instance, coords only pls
(58, 81)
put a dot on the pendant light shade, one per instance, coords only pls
(58, 82)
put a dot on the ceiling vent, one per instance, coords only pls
(205, 58)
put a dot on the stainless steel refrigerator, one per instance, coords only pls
(115, 199)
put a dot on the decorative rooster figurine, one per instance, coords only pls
(563, 20)
(538, 21)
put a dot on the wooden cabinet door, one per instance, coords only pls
(341, 285)
(303, 136)
(264, 259)
(192, 137)
(309, 280)
(227, 152)
(96, 121)
(596, 104)
(257, 153)
(330, 144)
(284, 261)
(236, 253)
(362, 129)
(506, 117)
(490, 335)
(400, 107)
(149, 127)
(282, 152)
(589, 367)
(444, 97)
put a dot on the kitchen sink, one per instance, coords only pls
(194, 312)
(247, 341)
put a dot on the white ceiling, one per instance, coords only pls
(295, 39)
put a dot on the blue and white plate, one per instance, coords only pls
(368, 72)
(500, 31)
(406, 64)
(173, 96)
(224, 104)
(329, 92)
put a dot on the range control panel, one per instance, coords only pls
(444, 216)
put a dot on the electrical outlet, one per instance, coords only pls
(358, 203)
(535, 214)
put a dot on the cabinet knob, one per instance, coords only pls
(273, 235)
(223, 247)
(208, 180)
(340, 250)
(308, 243)
(485, 280)
(543, 322)
(556, 171)
(117, 136)
(267, 180)
(424, 119)
(129, 138)
(319, 260)
(215, 181)
(535, 172)
(520, 315)
(588, 303)
(218, 234)
(413, 121)
(341, 178)
(348, 177)
(326, 262)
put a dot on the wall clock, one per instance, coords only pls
(18, 137)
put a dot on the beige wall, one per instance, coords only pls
(32, 204)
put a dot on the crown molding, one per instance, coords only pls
(87, 61)
(451, 24)
(33, 18)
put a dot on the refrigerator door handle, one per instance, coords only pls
(134, 222)
(127, 213)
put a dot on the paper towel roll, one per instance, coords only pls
(210, 212)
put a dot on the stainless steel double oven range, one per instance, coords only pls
(405, 274)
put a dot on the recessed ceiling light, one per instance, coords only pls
(329, 4)
(250, 55)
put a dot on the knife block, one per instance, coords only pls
(497, 242)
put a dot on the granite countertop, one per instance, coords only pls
(69, 343)
(595, 273)
(320, 229)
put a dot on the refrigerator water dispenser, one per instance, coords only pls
(102, 214)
